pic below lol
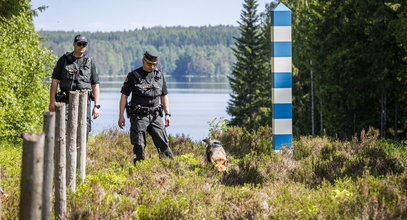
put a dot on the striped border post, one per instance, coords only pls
(281, 76)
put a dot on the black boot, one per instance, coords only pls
(168, 153)
(138, 154)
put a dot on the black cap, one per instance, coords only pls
(150, 57)
(80, 38)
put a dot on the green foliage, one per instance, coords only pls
(331, 160)
(355, 51)
(10, 8)
(199, 51)
(258, 185)
(400, 33)
(253, 169)
(10, 171)
(217, 126)
(239, 141)
(165, 209)
(250, 81)
(23, 68)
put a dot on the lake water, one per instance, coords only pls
(192, 106)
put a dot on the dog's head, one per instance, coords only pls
(210, 142)
(222, 165)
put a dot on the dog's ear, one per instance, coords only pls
(207, 140)
(216, 142)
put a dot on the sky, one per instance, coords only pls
(120, 15)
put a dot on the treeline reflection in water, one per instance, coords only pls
(192, 105)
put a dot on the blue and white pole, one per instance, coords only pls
(281, 59)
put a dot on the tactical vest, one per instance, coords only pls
(147, 89)
(74, 77)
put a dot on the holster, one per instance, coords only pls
(140, 111)
(90, 95)
(128, 109)
(61, 96)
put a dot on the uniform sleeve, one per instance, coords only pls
(94, 74)
(165, 91)
(56, 74)
(128, 85)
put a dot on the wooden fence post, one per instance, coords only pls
(60, 161)
(82, 132)
(49, 130)
(32, 175)
(71, 139)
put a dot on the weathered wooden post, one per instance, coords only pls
(71, 136)
(60, 161)
(82, 132)
(32, 175)
(281, 62)
(49, 130)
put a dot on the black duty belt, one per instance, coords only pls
(141, 111)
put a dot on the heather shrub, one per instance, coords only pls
(238, 141)
(183, 145)
(330, 160)
(10, 172)
(254, 169)
(316, 179)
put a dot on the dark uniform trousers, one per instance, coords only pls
(153, 124)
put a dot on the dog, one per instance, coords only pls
(216, 154)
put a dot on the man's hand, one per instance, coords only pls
(53, 91)
(121, 122)
(167, 120)
(51, 107)
(95, 113)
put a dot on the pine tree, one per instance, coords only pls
(248, 84)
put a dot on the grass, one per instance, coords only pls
(319, 178)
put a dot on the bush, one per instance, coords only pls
(10, 171)
(239, 141)
(24, 66)
(309, 182)
(322, 159)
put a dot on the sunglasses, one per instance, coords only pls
(80, 44)
(150, 63)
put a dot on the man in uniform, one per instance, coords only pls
(75, 71)
(149, 100)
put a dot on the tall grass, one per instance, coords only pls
(319, 178)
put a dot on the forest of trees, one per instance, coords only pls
(201, 51)
(356, 53)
